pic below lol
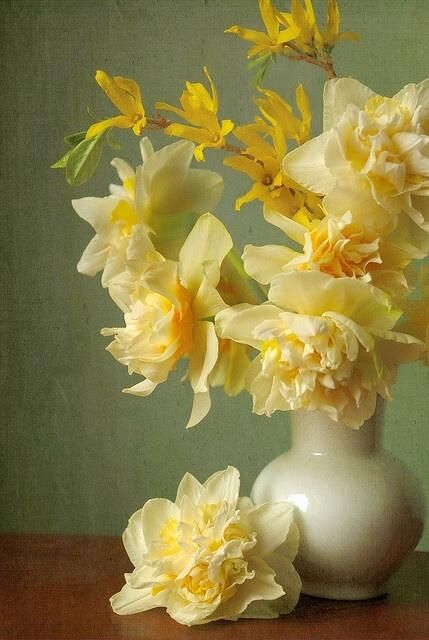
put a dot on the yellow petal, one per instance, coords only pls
(269, 18)
(122, 122)
(250, 34)
(203, 252)
(120, 97)
(215, 100)
(189, 133)
(203, 356)
(132, 88)
(258, 191)
(291, 33)
(240, 163)
(168, 107)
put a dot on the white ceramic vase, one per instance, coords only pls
(359, 510)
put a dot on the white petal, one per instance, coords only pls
(207, 302)
(263, 263)
(203, 356)
(271, 522)
(130, 600)
(339, 93)
(146, 149)
(96, 211)
(125, 172)
(200, 192)
(294, 230)
(164, 173)
(133, 538)
(222, 485)
(203, 252)
(94, 257)
(239, 322)
(154, 515)
(306, 165)
(288, 578)
(141, 389)
(201, 405)
(261, 587)
(190, 487)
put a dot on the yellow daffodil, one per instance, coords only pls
(125, 95)
(324, 344)
(162, 189)
(339, 248)
(211, 555)
(168, 316)
(199, 109)
(371, 159)
(271, 41)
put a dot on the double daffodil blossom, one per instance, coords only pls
(136, 212)
(324, 343)
(275, 38)
(124, 93)
(371, 159)
(199, 109)
(339, 248)
(168, 317)
(211, 555)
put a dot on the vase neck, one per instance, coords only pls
(315, 433)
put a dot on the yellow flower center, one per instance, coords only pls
(125, 216)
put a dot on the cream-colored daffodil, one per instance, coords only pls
(139, 210)
(199, 109)
(125, 95)
(211, 555)
(339, 248)
(325, 343)
(371, 159)
(169, 316)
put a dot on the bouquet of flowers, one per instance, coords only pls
(319, 321)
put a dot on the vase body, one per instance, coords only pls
(359, 510)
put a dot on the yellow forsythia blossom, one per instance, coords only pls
(298, 27)
(274, 40)
(199, 109)
(311, 37)
(124, 93)
(279, 112)
(265, 148)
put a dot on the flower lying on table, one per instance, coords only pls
(211, 555)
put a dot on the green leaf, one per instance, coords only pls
(62, 162)
(75, 138)
(260, 65)
(258, 60)
(83, 159)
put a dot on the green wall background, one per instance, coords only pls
(77, 455)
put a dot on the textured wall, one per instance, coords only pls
(79, 456)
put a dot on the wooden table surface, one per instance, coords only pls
(57, 588)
